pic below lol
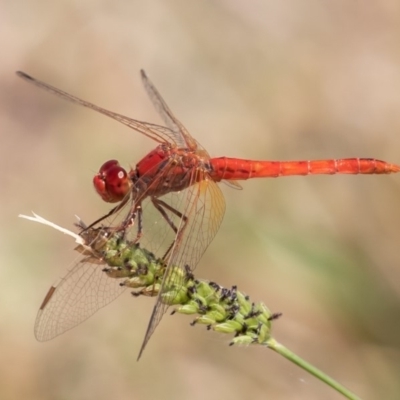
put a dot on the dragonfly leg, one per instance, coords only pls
(138, 212)
(111, 212)
(135, 213)
(172, 209)
(161, 205)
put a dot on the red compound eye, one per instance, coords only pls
(112, 182)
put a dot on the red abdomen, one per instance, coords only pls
(237, 169)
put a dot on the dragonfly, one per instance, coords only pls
(179, 180)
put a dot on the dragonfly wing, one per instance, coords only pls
(204, 206)
(233, 184)
(77, 296)
(182, 136)
(158, 133)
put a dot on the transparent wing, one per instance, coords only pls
(177, 226)
(77, 296)
(203, 204)
(160, 134)
(182, 136)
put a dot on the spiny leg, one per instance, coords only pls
(135, 212)
(173, 210)
(160, 205)
(111, 212)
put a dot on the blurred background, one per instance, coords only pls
(256, 79)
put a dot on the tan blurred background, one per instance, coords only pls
(251, 79)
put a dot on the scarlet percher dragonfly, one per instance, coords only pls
(179, 179)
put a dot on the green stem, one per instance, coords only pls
(220, 309)
(295, 359)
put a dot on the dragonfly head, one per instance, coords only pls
(112, 182)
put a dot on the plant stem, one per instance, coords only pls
(220, 309)
(295, 359)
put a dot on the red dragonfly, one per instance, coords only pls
(179, 179)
